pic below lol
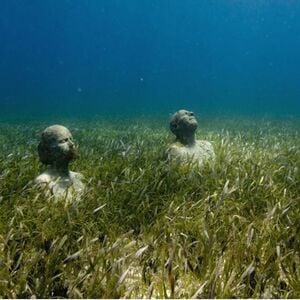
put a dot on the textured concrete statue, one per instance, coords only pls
(187, 149)
(56, 150)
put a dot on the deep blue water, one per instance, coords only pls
(87, 57)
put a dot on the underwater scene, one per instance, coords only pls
(149, 149)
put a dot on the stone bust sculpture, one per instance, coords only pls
(186, 148)
(56, 150)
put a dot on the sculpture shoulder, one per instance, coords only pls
(78, 181)
(43, 178)
(76, 175)
(176, 146)
(175, 149)
(205, 144)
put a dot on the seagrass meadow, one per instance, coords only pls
(146, 228)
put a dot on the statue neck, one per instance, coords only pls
(187, 139)
(62, 169)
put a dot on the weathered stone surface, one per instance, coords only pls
(187, 149)
(56, 150)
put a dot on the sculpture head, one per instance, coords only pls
(56, 146)
(183, 123)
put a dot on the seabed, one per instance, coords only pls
(146, 228)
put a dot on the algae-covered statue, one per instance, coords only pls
(56, 150)
(186, 148)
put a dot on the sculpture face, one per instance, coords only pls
(57, 145)
(183, 122)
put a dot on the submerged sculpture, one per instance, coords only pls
(187, 149)
(56, 150)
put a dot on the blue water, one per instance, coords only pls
(87, 57)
